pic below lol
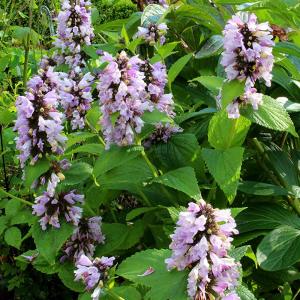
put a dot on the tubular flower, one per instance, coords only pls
(250, 97)
(39, 123)
(155, 77)
(153, 33)
(53, 208)
(162, 134)
(93, 273)
(74, 29)
(200, 243)
(76, 98)
(84, 238)
(121, 92)
(248, 50)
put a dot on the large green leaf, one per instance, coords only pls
(133, 267)
(151, 14)
(225, 167)
(115, 157)
(212, 83)
(271, 114)
(183, 179)
(78, 173)
(279, 249)
(261, 189)
(224, 133)
(13, 237)
(49, 242)
(34, 172)
(244, 293)
(212, 46)
(66, 275)
(231, 90)
(265, 216)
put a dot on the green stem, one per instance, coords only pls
(149, 163)
(297, 293)
(15, 197)
(113, 295)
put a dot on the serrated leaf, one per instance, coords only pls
(159, 280)
(34, 172)
(244, 293)
(77, 173)
(212, 83)
(279, 249)
(183, 179)
(49, 242)
(271, 114)
(224, 133)
(225, 167)
(13, 237)
(212, 46)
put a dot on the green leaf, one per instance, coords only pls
(177, 67)
(232, 90)
(159, 280)
(48, 242)
(78, 137)
(155, 117)
(77, 173)
(23, 33)
(183, 179)
(3, 223)
(279, 249)
(239, 252)
(114, 157)
(151, 14)
(34, 172)
(95, 149)
(213, 46)
(212, 83)
(139, 211)
(265, 216)
(244, 293)
(261, 189)
(13, 237)
(6, 117)
(166, 50)
(66, 275)
(224, 133)
(225, 167)
(271, 114)
(126, 292)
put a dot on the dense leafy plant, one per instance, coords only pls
(151, 154)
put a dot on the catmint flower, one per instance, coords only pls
(248, 50)
(200, 244)
(84, 238)
(155, 77)
(53, 208)
(121, 91)
(76, 98)
(250, 97)
(126, 201)
(39, 123)
(93, 273)
(74, 29)
(153, 33)
(162, 134)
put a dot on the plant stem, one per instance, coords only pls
(149, 163)
(15, 197)
(6, 183)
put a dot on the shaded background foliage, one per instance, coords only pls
(270, 171)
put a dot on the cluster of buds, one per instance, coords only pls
(39, 123)
(248, 54)
(153, 33)
(200, 244)
(83, 240)
(93, 273)
(52, 209)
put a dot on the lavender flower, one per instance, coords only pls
(155, 77)
(76, 98)
(248, 50)
(93, 273)
(162, 134)
(250, 97)
(121, 92)
(153, 33)
(84, 238)
(200, 242)
(53, 208)
(74, 30)
(39, 123)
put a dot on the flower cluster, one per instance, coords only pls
(162, 133)
(248, 56)
(74, 30)
(121, 90)
(84, 238)
(76, 98)
(93, 273)
(126, 201)
(39, 123)
(53, 208)
(153, 33)
(200, 243)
